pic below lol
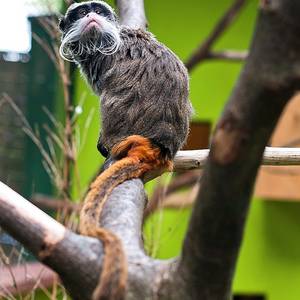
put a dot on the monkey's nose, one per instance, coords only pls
(87, 15)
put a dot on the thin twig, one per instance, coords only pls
(48, 203)
(58, 125)
(50, 166)
(52, 49)
(204, 48)
(68, 140)
(273, 156)
(230, 55)
(54, 137)
(43, 44)
(185, 160)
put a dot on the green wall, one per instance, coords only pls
(270, 258)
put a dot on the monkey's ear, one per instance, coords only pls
(62, 24)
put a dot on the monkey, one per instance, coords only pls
(143, 89)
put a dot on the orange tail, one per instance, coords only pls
(136, 157)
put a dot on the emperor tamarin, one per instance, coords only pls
(143, 88)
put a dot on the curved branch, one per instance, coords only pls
(203, 51)
(77, 259)
(267, 82)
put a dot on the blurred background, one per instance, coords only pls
(49, 125)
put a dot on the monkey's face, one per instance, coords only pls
(88, 28)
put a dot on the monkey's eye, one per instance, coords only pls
(82, 12)
(98, 11)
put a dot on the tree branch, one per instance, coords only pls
(132, 13)
(267, 82)
(184, 160)
(273, 156)
(230, 55)
(77, 259)
(203, 51)
(48, 203)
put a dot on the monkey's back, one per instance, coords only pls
(144, 90)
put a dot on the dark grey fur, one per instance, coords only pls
(143, 89)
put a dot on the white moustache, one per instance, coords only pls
(93, 34)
